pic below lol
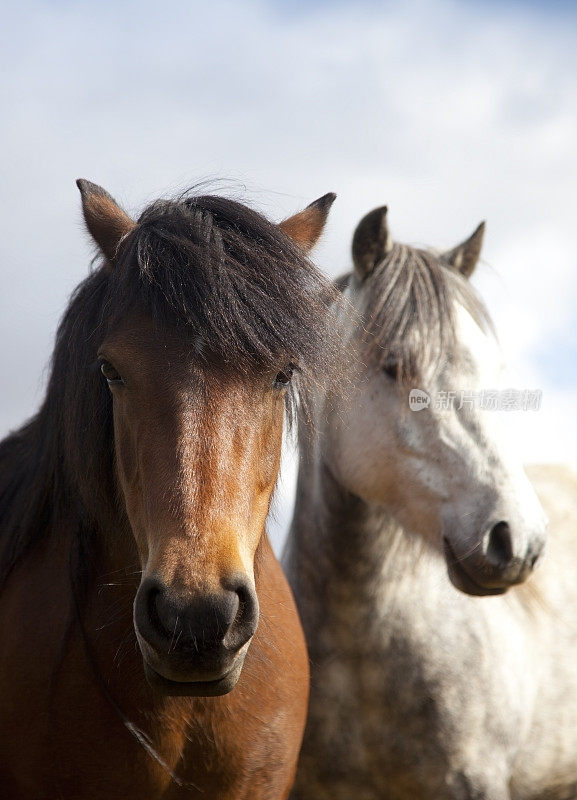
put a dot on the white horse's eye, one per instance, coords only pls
(391, 369)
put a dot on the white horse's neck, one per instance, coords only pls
(348, 547)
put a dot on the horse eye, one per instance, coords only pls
(112, 375)
(283, 378)
(391, 369)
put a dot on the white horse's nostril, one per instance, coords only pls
(499, 550)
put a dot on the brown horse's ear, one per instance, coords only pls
(371, 241)
(107, 223)
(464, 257)
(306, 227)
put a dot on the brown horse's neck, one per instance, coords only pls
(32, 495)
(39, 498)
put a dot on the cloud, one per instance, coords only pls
(448, 112)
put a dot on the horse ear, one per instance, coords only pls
(371, 241)
(107, 223)
(306, 227)
(464, 257)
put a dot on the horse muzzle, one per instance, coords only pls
(494, 563)
(195, 646)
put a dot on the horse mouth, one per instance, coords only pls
(212, 688)
(461, 579)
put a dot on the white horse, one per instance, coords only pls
(420, 691)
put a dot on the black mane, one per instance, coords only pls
(207, 264)
(222, 270)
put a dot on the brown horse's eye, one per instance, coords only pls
(110, 373)
(283, 378)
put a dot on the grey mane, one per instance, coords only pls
(408, 310)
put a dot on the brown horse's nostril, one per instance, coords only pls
(499, 545)
(247, 614)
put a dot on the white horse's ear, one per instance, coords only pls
(464, 257)
(306, 227)
(107, 223)
(371, 241)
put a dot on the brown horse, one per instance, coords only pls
(134, 563)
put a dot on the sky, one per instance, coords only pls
(448, 112)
